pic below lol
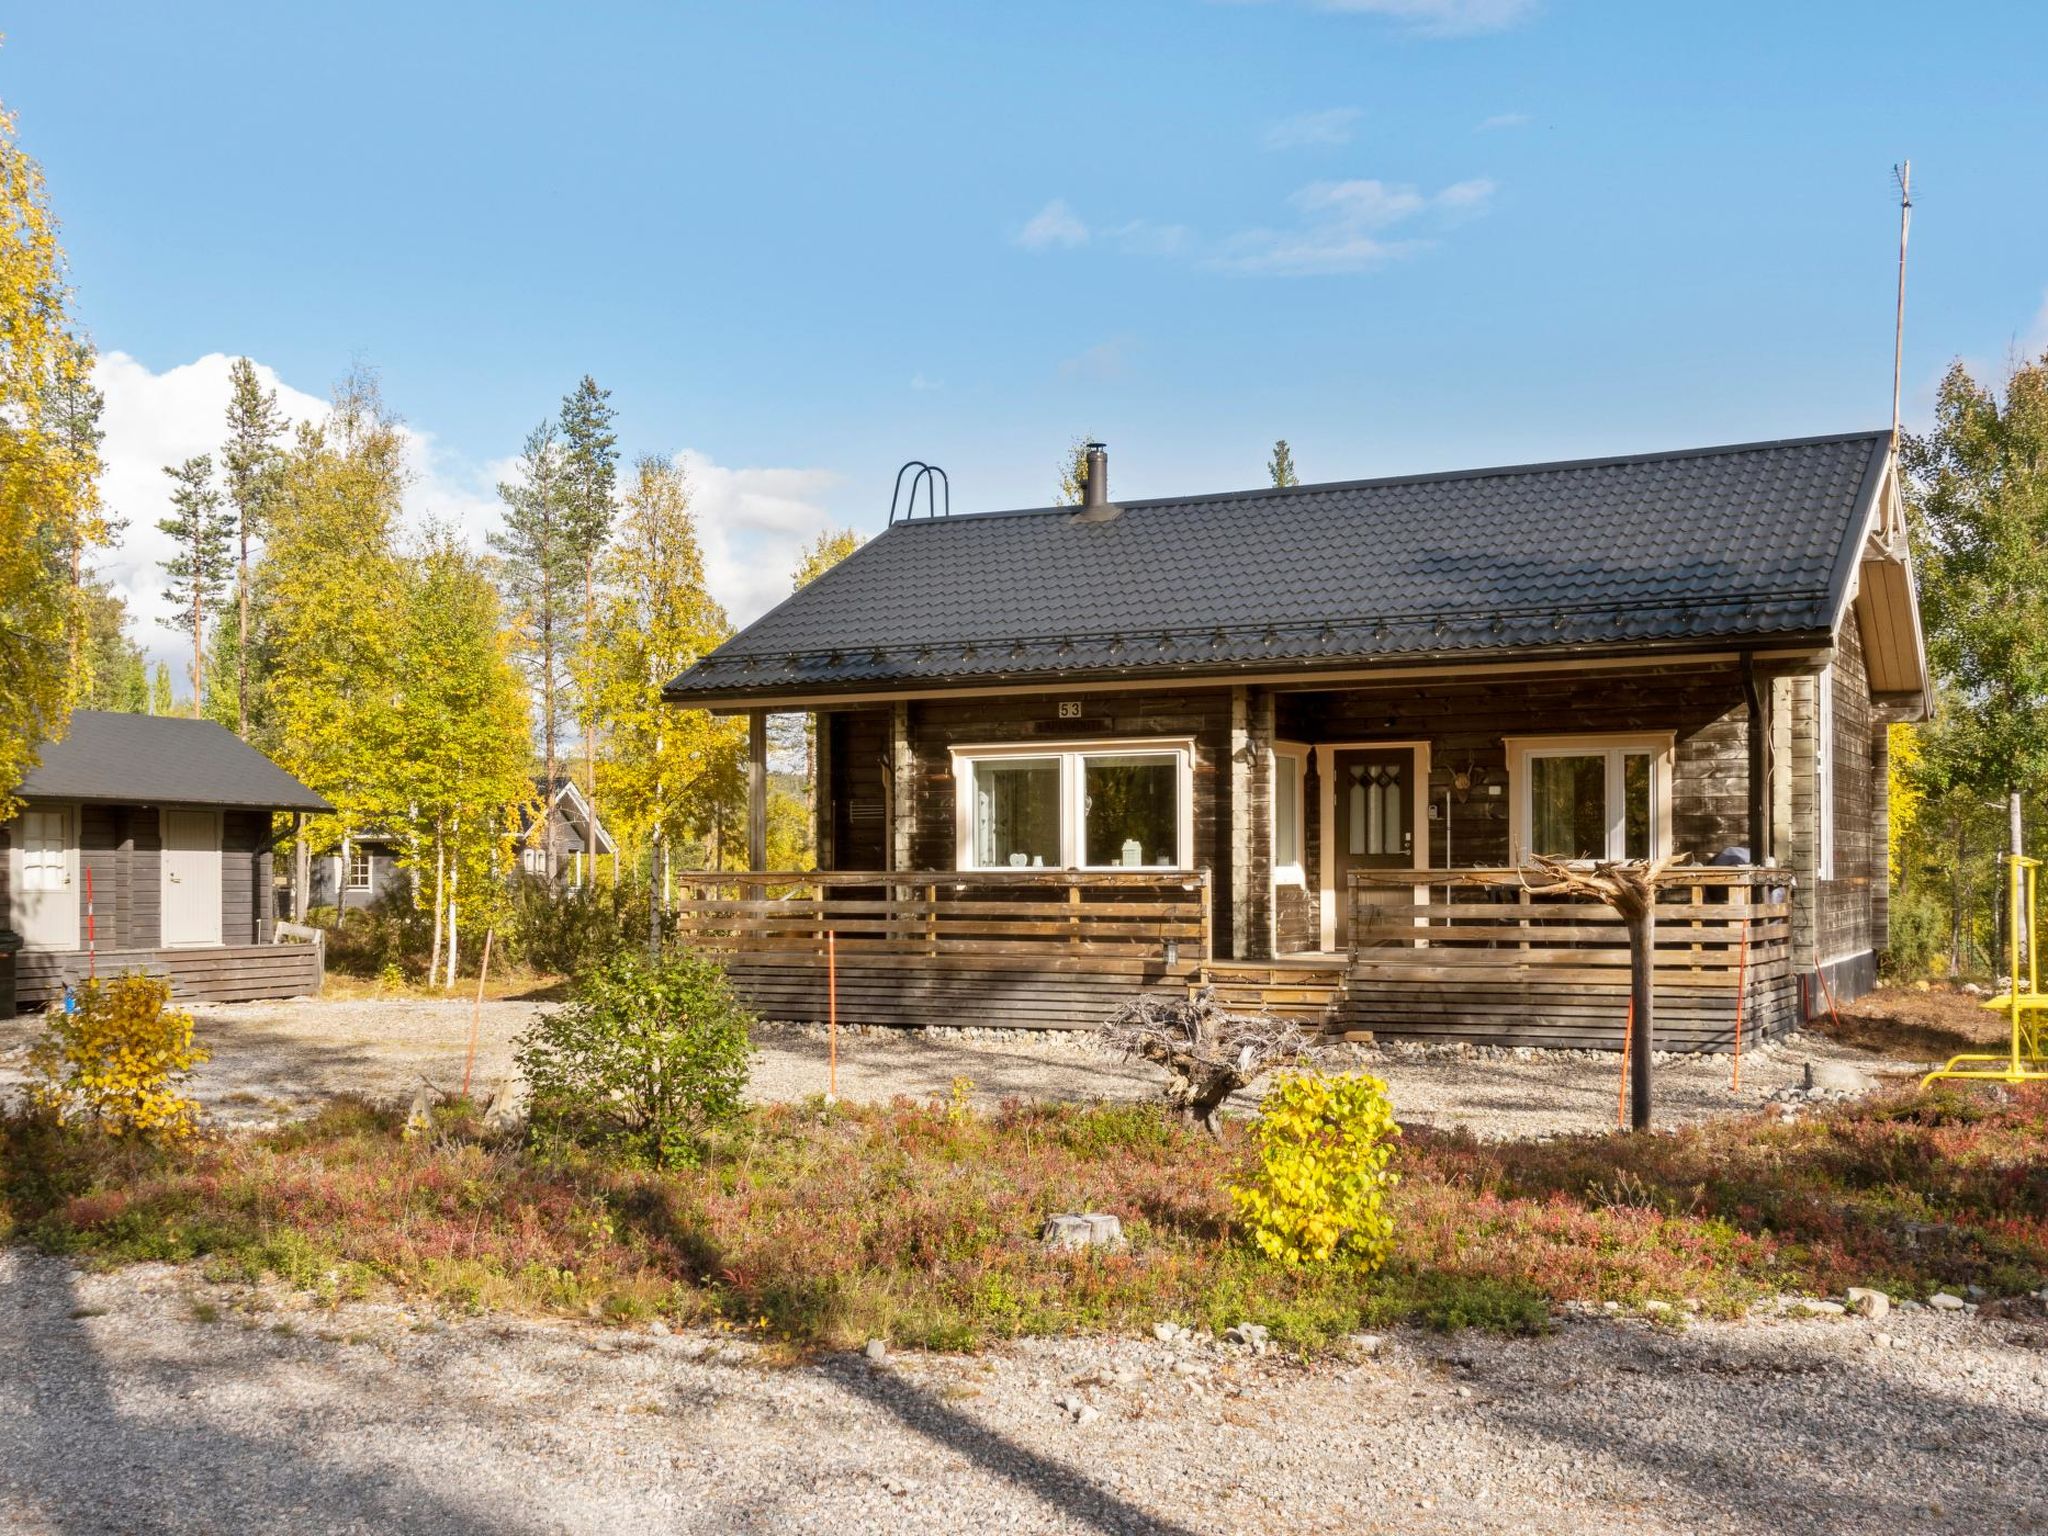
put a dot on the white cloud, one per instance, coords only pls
(753, 521)
(1053, 225)
(925, 386)
(1342, 225)
(752, 524)
(1308, 129)
(1502, 120)
(1440, 18)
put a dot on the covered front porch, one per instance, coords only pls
(1467, 954)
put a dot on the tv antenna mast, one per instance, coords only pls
(1902, 176)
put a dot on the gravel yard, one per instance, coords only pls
(148, 1400)
(273, 1060)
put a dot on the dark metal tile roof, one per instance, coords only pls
(162, 760)
(1711, 545)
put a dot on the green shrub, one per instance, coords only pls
(1919, 933)
(569, 930)
(1323, 1145)
(393, 933)
(645, 1062)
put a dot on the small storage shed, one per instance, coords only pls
(146, 842)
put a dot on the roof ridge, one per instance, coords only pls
(1433, 477)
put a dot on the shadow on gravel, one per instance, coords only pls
(1770, 1433)
(1071, 1493)
(73, 1460)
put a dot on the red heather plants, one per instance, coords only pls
(918, 1223)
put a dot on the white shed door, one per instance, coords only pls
(45, 899)
(191, 862)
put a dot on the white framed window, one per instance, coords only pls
(1590, 797)
(1824, 779)
(358, 867)
(1075, 805)
(1289, 777)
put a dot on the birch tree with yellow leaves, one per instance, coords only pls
(45, 487)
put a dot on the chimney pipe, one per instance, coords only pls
(1096, 492)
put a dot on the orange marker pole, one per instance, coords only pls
(832, 1014)
(92, 965)
(1621, 1096)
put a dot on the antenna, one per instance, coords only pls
(1902, 176)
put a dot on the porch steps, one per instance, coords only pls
(1311, 993)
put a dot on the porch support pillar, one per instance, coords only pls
(821, 790)
(1756, 692)
(902, 787)
(302, 867)
(1240, 823)
(757, 789)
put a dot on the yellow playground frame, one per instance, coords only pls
(2027, 1060)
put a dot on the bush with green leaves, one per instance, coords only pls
(644, 1063)
(568, 930)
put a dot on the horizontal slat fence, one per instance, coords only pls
(1478, 956)
(232, 973)
(1028, 949)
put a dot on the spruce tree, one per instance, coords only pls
(197, 574)
(590, 463)
(252, 459)
(539, 571)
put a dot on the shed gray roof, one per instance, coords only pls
(1744, 543)
(162, 760)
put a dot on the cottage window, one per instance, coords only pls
(358, 869)
(1108, 805)
(1289, 764)
(1591, 797)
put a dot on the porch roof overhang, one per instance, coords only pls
(122, 759)
(1744, 549)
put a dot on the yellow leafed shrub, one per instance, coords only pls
(1323, 1145)
(119, 1061)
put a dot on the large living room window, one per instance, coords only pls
(1591, 797)
(1099, 805)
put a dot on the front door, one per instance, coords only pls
(191, 863)
(45, 899)
(1373, 815)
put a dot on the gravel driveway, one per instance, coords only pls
(146, 1400)
(276, 1059)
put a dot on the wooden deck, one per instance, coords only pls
(1454, 955)
(231, 973)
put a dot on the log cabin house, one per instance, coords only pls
(146, 843)
(1296, 744)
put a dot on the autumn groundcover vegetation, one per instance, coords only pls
(822, 1226)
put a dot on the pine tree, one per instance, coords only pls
(73, 408)
(197, 574)
(44, 495)
(1281, 466)
(590, 463)
(111, 671)
(252, 459)
(539, 573)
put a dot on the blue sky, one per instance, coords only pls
(806, 243)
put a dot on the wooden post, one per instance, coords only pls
(902, 789)
(821, 790)
(757, 789)
(1642, 954)
(302, 868)
(1757, 695)
(1240, 824)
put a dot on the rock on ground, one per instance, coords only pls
(147, 1400)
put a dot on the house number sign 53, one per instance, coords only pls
(1070, 709)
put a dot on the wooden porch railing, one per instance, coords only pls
(1450, 948)
(1103, 920)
